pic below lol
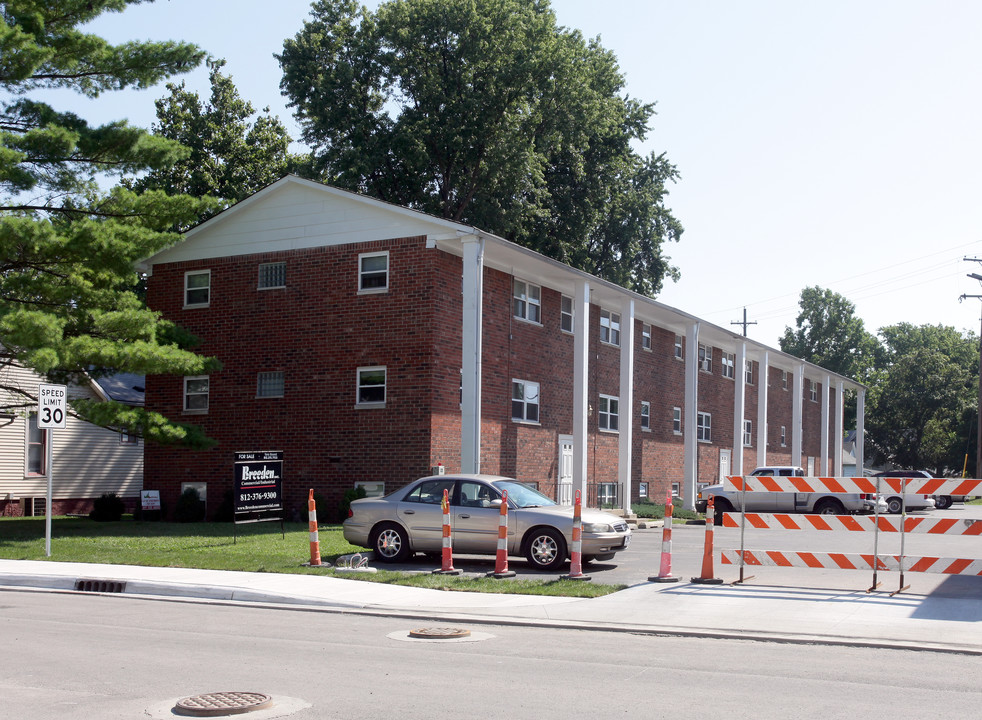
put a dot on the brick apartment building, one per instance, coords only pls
(371, 344)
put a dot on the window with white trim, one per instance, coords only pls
(704, 427)
(784, 379)
(36, 448)
(373, 272)
(197, 288)
(608, 413)
(128, 438)
(524, 401)
(676, 489)
(270, 384)
(566, 316)
(813, 391)
(705, 358)
(527, 301)
(610, 327)
(784, 436)
(643, 490)
(272, 275)
(196, 394)
(727, 365)
(748, 433)
(749, 371)
(645, 336)
(677, 420)
(679, 354)
(371, 386)
(645, 415)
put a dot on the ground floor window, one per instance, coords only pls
(704, 427)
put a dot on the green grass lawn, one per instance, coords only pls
(257, 547)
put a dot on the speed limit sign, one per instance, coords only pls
(52, 406)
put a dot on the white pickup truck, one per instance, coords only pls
(779, 502)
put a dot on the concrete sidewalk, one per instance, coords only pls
(948, 618)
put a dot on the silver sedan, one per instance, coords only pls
(410, 520)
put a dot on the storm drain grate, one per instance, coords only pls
(440, 633)
(222, 703)
(100, 586)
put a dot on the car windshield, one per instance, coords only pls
(522, 495)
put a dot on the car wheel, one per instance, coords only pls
(894, 505)
(942, 502)
(545, 549)
(390, 543)
(829, 506)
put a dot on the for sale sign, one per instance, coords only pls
(52, 406)
(258, 481)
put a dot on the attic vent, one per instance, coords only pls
(100, 586)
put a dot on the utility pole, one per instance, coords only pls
(978, 431)
(754, 322)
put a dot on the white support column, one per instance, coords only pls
(627, 411)
(763, 376)
(860, 431)
(796, 411)
(691, 445)
(470, 409)
(824, 453)
(840, 434)
(581, 366)
(739, 407)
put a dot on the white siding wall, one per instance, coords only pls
(88, 460)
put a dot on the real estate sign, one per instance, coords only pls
(258, 482)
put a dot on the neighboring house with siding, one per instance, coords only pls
(87, 460)
(371, 344)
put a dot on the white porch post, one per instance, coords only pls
(739, 407)
(840, 413)
(625, 423)
(763, 375)
(860, 431)
(581, 366)
(470, 410)
(796, 426)
(690, 456)
(824, 455)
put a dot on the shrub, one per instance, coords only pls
(107, 508)
(349, 495)
(190, 507)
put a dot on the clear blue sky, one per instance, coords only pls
(833, 143)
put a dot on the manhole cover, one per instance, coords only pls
(222, 703)
(440, 633)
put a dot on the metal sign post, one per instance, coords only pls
(52, 413)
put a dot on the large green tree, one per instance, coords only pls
(68, 248)
(923, 409)
(486, 112)
(231, 155)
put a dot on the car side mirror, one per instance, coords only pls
(496, 503)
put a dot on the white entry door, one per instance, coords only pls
(724, 464)
(564, 490)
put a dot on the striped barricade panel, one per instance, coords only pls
(855, 523)
(934, 486)
(839, 485)
(847, 561)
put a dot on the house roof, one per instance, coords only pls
(294, 213)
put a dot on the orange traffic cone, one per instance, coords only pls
(446, 567)
(665, 572)
(315, 546)
(576, 557)
(707, 554)
(501, 556)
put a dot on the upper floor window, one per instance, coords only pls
(127, 438)
(645, 415)
(371, 386)
(272, 275)
(813, 390)
(36, 449)
(677, 420)
(704, 427)
(373, 272)
(705, 358)
(610, 327)
(646, 336)
(527, 301)
(749, 372)
(679, 355)
(270, 384)
(196, 394)
(566, 315)
(197, 288)
(784, 436)
(727, 365)
(784, 379)
(609, 408)
(524, 401)
(748, 432)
